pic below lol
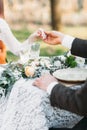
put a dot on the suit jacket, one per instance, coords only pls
(67, 98)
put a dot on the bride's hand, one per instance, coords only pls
(32, 38)
(39, 34)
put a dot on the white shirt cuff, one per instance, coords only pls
(50, 87)
(67, 41)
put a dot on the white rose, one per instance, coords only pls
(80, 61)
(57, 63)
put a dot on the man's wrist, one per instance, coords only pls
(67, 41)
(51, 86)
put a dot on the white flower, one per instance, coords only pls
(69, 53)
(45, 72)
(57, 63)
(1, 70)
(42, 63)
(35, 62)
(45, 62)
(63, 58)
(5, 82)
(80, 61)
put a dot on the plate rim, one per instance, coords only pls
(67, 80)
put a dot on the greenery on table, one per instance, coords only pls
(14, 71)
(7, 79)
(9, 76)
(11, 57)
(70, 61)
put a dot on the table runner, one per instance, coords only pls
(28, 107)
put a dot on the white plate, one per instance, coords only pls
(71, 74)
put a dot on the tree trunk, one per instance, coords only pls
(55, 14)
(1, 9)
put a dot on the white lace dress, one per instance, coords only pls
(28, 108)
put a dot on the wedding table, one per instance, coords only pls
(27, 107)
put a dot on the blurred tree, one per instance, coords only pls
(80, 5)
(1, 9)
(55, 14)
(20, 1)
(10, 2)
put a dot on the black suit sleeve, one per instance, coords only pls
(67, 98)
(70, 99)
(79, 48)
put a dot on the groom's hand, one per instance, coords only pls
(50, 37)
(44, 81)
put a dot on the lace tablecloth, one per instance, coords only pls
(28, 108)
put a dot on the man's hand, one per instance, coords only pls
(51, 37)
(44, 81)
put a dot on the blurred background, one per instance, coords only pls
(67, 16)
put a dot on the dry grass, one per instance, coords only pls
(76, 31)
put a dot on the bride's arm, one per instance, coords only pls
(8, 38)
(32, 38)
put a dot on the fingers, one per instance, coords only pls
(49, 37)
(36, 82)
(46, 34)
(42, 33)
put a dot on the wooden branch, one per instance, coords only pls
(1, 8)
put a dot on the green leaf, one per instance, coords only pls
(70, 61)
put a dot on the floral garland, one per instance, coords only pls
(34, 68)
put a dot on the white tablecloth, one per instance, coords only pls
(28, 108)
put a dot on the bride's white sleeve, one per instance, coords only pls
(8, 38)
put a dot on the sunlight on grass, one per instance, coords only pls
(49, 50)
(76, 31)
(11, 57)
(21, 35)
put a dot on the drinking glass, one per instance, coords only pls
(24, 54)
(34, 51)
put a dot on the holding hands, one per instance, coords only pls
(51, 37)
